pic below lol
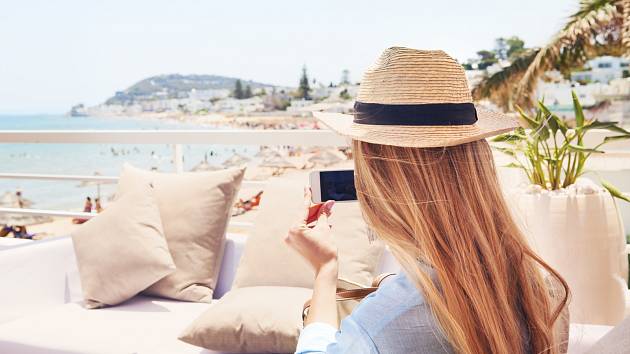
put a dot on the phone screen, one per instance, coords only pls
(337, 185)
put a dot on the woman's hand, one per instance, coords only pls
(315, 244)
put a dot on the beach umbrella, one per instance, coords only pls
(236, 160)
(23, 220)
(277, 162)
(205, 166)
(95, 183)
(313, 150)
(11, 200)
(265, 153)
(325, 158)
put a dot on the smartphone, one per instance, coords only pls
(337, 185)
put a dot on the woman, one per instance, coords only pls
(427, 186)
(87, 208)
(97, 205)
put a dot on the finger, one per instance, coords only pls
(307, 204)
(322, 214)
(322, 219)
(327, 207)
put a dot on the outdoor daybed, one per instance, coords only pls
(40, 310)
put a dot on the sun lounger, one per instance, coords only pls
(40, 309)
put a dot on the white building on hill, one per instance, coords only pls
(603, 70)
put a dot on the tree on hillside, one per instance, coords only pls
(304, 88)
(248, 92)
(509, 48)
(486, 58)
(238, 90)
(516, 47)
(501, 48)
(598, 27)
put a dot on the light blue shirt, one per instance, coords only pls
(394, 319)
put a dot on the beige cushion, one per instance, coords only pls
(265, 319)
(122, 251)
(195, 210)
(267, 260)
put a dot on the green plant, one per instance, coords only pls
(551, 150)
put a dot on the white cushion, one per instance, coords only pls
(33, 277)
(582, 336)
(46, 325)
(9, 242)
(142, 325)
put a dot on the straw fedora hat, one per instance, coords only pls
(416, 98)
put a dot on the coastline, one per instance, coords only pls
(256, 120)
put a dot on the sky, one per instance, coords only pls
(54, 54)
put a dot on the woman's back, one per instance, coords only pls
(395, 319)
(427, 185)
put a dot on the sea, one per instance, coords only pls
(90, 159)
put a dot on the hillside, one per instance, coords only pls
(175, 86)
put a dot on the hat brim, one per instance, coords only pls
(488, 124)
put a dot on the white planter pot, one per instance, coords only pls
(582, 237)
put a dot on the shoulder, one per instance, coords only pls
(397, 319)
(395, 297)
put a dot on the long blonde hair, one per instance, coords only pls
(444, 206)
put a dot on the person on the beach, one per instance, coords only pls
(20, 232)
(6, 230)
(20, 200)
(97, 205)
(87, 208)
(427, 186)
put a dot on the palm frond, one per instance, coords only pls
(586, 9)
(586, 33)
(498, 87)
(625, 32)
(598, 27)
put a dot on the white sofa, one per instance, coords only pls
(40, 309)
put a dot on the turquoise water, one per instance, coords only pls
(86, 159)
